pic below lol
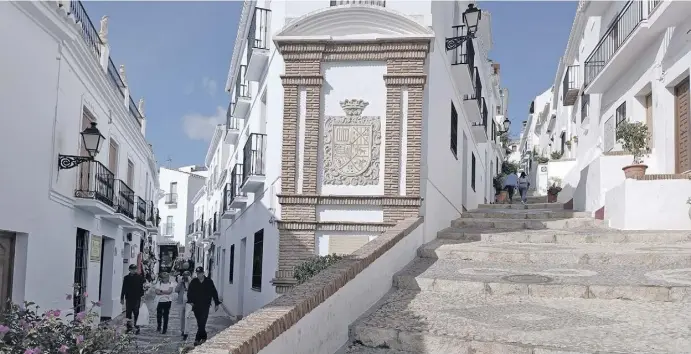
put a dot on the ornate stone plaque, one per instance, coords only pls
(351, 146)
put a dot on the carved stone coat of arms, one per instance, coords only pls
(351, 146)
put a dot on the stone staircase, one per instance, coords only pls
(536, 279)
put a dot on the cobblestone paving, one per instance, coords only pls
(150, 341)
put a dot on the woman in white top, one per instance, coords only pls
(181, 290)
(164, 297)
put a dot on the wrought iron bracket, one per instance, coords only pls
(455, 42)
(65, 162)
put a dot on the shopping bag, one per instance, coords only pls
(188, 317)
(143, 319)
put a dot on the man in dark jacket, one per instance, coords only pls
(131, 296)
(200, 293)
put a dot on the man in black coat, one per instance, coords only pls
(131, 296)
(200, 293)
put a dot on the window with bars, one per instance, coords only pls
(454, 131)
(81, 267)
(472, 171)
(257, 260)
(620, 114)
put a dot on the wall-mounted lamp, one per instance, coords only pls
(471, 18)
(506, 124)
(92, 140)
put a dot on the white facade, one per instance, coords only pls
(83, 224)
(245, 154)
(624, 61)
(179, 186)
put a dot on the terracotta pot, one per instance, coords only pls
(503, 197)
(633, 171)
(552, 198)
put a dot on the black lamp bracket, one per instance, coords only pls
(455, 42)
(65, 162)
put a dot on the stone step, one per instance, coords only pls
(523, 214)
(533, 224)
(436, 322)
(569, 236)
(550, 206)
(626, 282)
(360, 349)
(676, 255)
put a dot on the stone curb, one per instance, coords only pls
(257, 330)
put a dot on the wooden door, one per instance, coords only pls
(6, 268)
(683, 123)
(113, 157)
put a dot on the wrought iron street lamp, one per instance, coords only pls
(92, 140)
(471, 18)
(506, 124)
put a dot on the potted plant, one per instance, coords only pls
(542, 159)
(568, 143)
(498, 184)
(575, 139)
(556, 155)
(553, 190)
(634, 139)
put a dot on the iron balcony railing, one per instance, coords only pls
(95, 181)
(531, 110)
(258, 34)
(134, 111)
(477, 88)
(232, 123)
(168, 229)
(253, 156)
(171, 198)
(88, 32)
(226, 198)
(464, 54)
(236, 179)
(208, 228)
(115, 79)
(215, 225)
(141, 211)
(570, 86)
(359, 2)
(626, 21)
(485, 114)
(190, 229)
(125, 199)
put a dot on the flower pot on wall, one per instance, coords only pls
(502, 197)
(633, 171)
(552, 198)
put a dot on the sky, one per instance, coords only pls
(177, 55)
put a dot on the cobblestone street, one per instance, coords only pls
(150, 341)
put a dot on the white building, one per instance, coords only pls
(179, 186)
(624, 61)
(68, 219)
(299, 72)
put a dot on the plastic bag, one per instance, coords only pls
(188, 317)
(143, 319)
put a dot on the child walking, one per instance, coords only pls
(164, 289)
(181, 290)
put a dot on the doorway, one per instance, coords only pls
(682, 114)
(6, 267)
(464, 164)
(221, 278)
(81, 265)
(241, 278)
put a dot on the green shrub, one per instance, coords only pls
(314, 265)
(556, 155)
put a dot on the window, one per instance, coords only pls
(649, 116)
(585, 106)
(454, 131)
(472, 171)
(130, 174)
(494, 131)
(169, 225)
(113, 157)
(173, 187)
(257, 260)
(497, 166)
(232, 264)
(620, 114)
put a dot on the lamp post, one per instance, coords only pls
(506, 124)
(471, 18)
(92, 140)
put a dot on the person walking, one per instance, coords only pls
(200, 293)
(181, 290)
(131, 296)
(510, 184)
(523, 185)
(164, 298)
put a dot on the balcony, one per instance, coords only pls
(125, 204)
(95, 188)
(253, 160)
(168, 229)
(633, 30)
(479, 129)
(463, 55)
(153, 219)
(381, 3)
(217, 225)
(243, 99)
(171, 199)
(190, 229)
(238, 198)
(140, 217)
(115, 78)
(233, 126)
(571, 86)
(258, 44)
(134, 112)
(473, 102)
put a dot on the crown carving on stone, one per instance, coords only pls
(354, 107)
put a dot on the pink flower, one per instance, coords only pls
(56, 313)
(4, 329)
(80, 339)
(63, 349)
(80, 316)
(33, 351)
